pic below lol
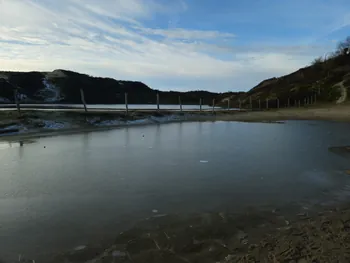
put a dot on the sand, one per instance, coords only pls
(50, 123)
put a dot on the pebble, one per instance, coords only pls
(242, 236)
(79, 248)
(229, 257)
(117, 253)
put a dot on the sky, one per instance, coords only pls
(215, 45)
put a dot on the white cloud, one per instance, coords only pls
(109, 38)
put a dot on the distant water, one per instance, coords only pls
(62, 192)
(114, 106)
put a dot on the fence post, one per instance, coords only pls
(180, 103)
(304, 101)
(213, 105)
(315, 100)
(295, 103)
(288, 103)
(157, 101)
(200, 104)
(228, 104)
(299, 103)
(15, 95)
(278, 103)
(259, 104)
(126, 103)
(240, 104)
(83, 99)
(267, 103)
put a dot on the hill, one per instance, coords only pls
(327, 79)
(63, 86)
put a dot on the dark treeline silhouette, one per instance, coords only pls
(97, 90)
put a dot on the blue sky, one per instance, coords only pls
(171, 44)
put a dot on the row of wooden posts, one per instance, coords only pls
(297, 103)
(310, 100)
(158, 102)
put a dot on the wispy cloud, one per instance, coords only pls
(187, 34)
(132, 39)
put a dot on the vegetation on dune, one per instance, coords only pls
(323, 79)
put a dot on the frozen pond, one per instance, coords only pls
(62, 192)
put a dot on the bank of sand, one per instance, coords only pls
(47, 123)
(324, 112)
(222, 238)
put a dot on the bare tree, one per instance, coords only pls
(343, 46)
(317, 61)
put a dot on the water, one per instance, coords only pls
(62, 192)
(114, 106)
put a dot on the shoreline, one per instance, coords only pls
(80, 125)
(36, 123)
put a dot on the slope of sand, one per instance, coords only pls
(326, 112)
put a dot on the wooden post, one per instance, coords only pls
(126, 103)
(83, 99)
(200, 104)
(180, 103)
(157, 101)
(228, 104)
(267, 103)
(299, 103)
(240, 104)
(278, 103)
(15, 95)
(310, 100)
(259, 104)
(213, 105)
(295, 103)
(315, 99)
(304, 101)
(288, 103)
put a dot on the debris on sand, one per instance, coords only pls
(246, 238)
